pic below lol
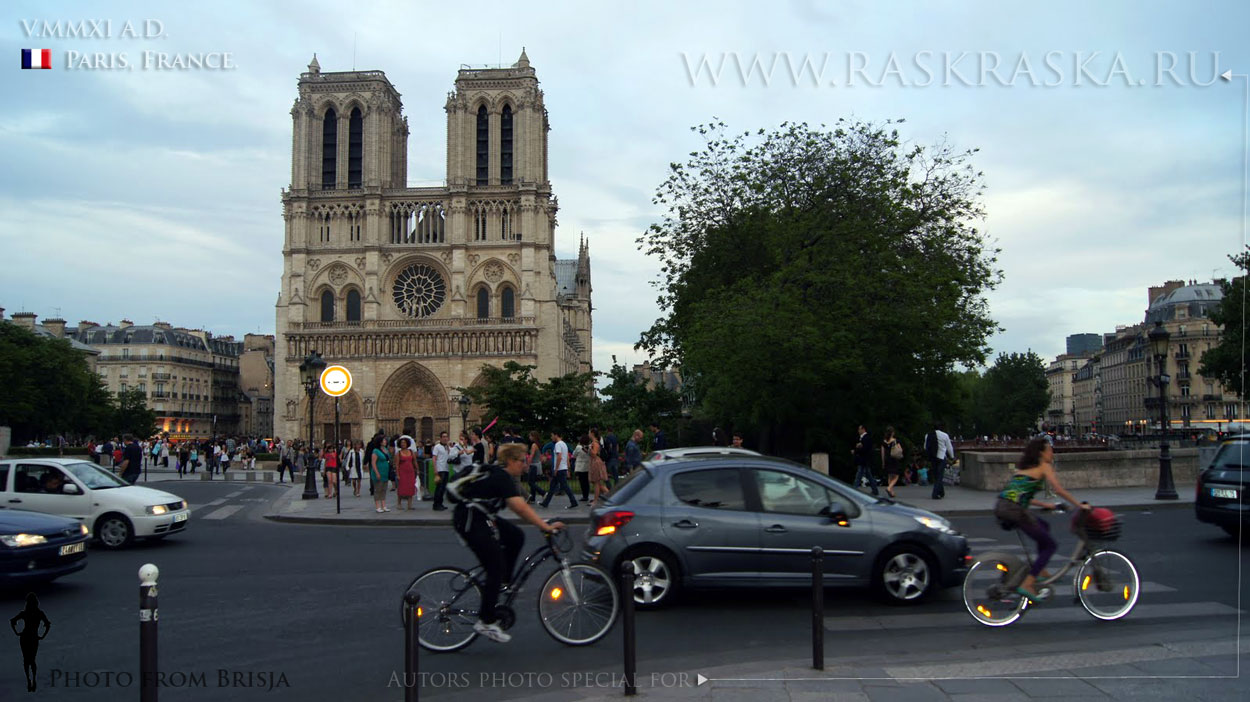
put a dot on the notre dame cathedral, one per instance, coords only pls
(415, 289)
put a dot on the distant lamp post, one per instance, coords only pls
(1159, 338)
(310, 375)
(465, 403)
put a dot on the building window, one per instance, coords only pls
(327, 306)
(483, 303)
(507, 303)
(505, 225)
(329, 149)
(355, 149)
(353, 306)
(505, 146)
(483, 146)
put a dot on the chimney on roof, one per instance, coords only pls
(25, 319)
(163, 325)
(126, 323)
(1157, 291)
(56, 326)
(84, 325)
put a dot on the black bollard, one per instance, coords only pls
(148, 616)
(631, 639)
(412, 605)
(818, 608)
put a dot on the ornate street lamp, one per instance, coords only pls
(1159, 338)
(465, 403)
(310, 375)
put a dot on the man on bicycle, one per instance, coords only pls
(1036, 468)
(496, 542)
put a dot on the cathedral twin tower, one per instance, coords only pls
(415, 289)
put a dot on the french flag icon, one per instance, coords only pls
(36, 58)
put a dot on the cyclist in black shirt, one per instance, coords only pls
(496, 542)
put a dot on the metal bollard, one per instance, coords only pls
(412, 602)
(148, 616)
(631, 639)
(818, 608)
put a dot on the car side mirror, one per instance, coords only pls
(70, 489)
(836, 516)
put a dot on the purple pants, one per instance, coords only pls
(1039, 531)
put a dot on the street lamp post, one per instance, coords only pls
(310, 375)
(465, 402)
(1159, 338)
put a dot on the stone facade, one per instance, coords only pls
(256, 385)
(415, 289)
(1088, 469)
(1060, 414)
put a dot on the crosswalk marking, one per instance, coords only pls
(1032, 664)
(223, 512)
(1050, 613)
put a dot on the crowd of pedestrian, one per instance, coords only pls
(929, 464)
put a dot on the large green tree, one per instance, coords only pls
(518, 399)
(629, 404)
(1226, 361)
(131, 414)
(48, 388)
(813, 279)
(1012, 395)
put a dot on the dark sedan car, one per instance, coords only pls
(753, 520)
(1221, 496)
(37, 547)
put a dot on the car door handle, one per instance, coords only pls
(686, 524)
(777, 529)
(14, 502)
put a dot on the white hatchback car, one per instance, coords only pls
(115, 511)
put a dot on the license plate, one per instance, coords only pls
(1225, 493)
(180, 517)
(68, 549)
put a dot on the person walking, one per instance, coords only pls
(938, 448)
(892, 459)
(193, 456)
(612, 451)
(581, 466)
(534, 461)
(446, 455)
(560, 467)
(286, 462)
(330, 468)
(598, 469)
(658, 442)
(132, 460)
(164, 453)
(406, 469)
(184, 457)
(863, 460)
(353, 465)
(380, 472)
(633, 452)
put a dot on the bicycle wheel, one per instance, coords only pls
(580, 607)
(1107, 585)
(449, 606)
(988, 598)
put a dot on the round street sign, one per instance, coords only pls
(336, 381)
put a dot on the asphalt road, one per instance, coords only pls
(260, 610)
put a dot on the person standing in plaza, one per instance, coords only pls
(164, 453)
(353, 465)
(938, 448)
(193, 455)
(479, 446)
(132, 460)
(581, 466)
(612, 454)
(633, 452)
(406, 472)
(658, 442)
(598, 469)
(534, 461)
(736, 442)
(330, 468)
(184, 457)
(446, 454)
(892, 459)
(286, 457)
(560, 468)
(863, 459)
(380, 472)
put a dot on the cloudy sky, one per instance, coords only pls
(1113, 156)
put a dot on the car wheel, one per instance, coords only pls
(114, 531)
(905, 575)
(656, 579)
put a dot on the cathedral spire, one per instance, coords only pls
(313, 66)
(524, 61)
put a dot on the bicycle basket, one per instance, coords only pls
(1100, 524)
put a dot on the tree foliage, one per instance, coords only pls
(1013, 393)
(813, 279)
(629, 404)
(518, 399)
(1226, 361)
(49, 390)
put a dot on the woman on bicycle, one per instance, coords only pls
(496, 542)
(1036, 468)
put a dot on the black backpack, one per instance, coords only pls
(931, 445)
(459, 486)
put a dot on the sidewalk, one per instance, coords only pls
(958, 502)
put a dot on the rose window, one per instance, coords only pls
(419, 291)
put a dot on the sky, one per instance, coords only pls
(1111, 151)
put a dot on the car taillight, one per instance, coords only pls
(610, 522)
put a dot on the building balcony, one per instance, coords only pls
(162, 395)
(162, 376)
(451, 323)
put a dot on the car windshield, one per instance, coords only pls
(95, 477)
(627, 488)
(1233, 455)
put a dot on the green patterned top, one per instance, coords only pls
(1021, 489)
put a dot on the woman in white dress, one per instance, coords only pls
(353, 465)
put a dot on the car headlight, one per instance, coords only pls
(184, 504)
(157, 509)
(84, 528)
(19, 540)
(936, 523)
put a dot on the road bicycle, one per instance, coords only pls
(1105, 583)
(577, 604)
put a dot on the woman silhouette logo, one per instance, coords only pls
(29, 636)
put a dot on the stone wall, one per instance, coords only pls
(1094, 469)
(6, 435)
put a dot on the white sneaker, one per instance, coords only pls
(378, 510)
(386, 509)
(492, 631)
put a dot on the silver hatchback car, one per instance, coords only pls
(742, 520)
